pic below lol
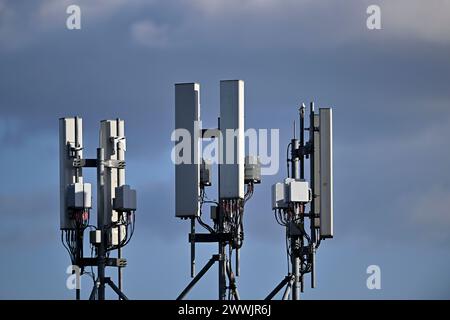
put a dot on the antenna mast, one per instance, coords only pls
(235, 172)
(291, 197)
(116, 203)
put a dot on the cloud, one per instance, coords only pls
(53, 10)
(430, 212)
(25, 24)
(390, 179)
(149, 34)
(388, 90)
(253, 24)
(428, 21)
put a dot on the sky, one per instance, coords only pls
(390, 94)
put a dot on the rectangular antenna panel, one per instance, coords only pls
(232, 146)
(187, 161)
(112, 141)
(70, 147)
(316, 186)
(326, 173)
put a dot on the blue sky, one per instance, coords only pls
(389, 89)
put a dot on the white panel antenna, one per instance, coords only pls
(113, 143)
(70, 150)
(187, 174)
(233, 146)
(326, 173)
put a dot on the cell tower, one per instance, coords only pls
(193, 176)
(292, 198)
(116, 203)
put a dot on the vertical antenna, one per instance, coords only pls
(302, 140)
(290, 205)
(119, 183)
(100, 221)
(294, 127)
(193, 247)
(312, 210)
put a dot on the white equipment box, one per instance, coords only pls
(79, 196)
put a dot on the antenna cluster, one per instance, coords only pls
(237, 176)
(116, 203)
(300, 205)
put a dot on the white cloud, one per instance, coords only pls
(325, 23)
(149, 34)
(53, 10)
(215, 8)
(22, 26)
(424, 20)
(251, 23)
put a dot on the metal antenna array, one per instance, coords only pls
(116, 203)
(291, 198)
(193, 176)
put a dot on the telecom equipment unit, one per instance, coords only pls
(116, 202)
(292, 198)
(193, 176)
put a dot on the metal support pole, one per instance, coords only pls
(113, 286)
(302, 141)
(279, 287)
(221, 243)
(79, 252)
(100, 220)
(295, 260)
(294, 159)
(77, 291)
(198, 276)
(238, 259)
(119, 256)
(222, 265)
(93, 292)
(79, 255)
(193, 248)
(232, 280)
(288, 289)
(296, 271)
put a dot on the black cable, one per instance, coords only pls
(65, 246)
(288, 253)
(287, 158)
(133, 226)
(205, 225)
(92, 267)
(199, 218)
